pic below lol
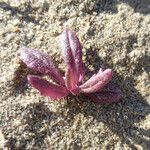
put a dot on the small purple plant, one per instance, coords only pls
(97, 87)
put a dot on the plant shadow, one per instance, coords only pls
(121, 117)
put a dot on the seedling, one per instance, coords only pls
(97, 87)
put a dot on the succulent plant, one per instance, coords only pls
(97, 87)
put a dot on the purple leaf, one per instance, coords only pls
(46, 88)
(97, 87)
(109, 94)
(71, 82)
(77, 53)
(97, 82)
(72, 52)
(41, 62)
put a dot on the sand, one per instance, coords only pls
(114, 34)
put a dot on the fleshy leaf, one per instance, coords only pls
(71, 82)
(72, 52)
(46, 88)
(77, 53)
(41, 62)
(66, 51)
(110, 94)
(97, 82)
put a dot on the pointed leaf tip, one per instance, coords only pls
(46, 88)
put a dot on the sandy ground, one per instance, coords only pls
(114, 34)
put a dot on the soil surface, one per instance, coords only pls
(114, 34)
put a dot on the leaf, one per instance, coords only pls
(105, 97)
(41, 62)
(71, 82)
(77, 53)
(71, 51)
(110, 94)
(46, 88)
(97, 82)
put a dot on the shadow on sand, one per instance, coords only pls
(120, 117)
(108, 6)
(100, 6)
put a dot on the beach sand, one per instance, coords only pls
(114, 34)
